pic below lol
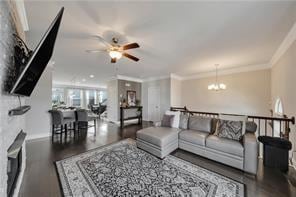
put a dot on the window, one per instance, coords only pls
(278, 108)
(278, 112)
(102, 96)
(75, 97)
(58, 96)
(90, 98)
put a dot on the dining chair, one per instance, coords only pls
(59, 122)
(83, 116)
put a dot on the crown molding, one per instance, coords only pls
(21, 10)
(229, 71)
(175, 76)
(284, 46)
(123, 77)
(67, 85)
(156, 78)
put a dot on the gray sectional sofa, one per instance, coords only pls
(199, 138)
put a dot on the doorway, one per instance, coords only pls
(154, 104)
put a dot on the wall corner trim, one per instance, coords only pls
(284, 46)
(20, 6)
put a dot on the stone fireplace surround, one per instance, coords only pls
(10, 126)
(16, 156)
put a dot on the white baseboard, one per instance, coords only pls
(36, 136)
(126, 121)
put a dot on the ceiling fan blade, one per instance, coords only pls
(96, 50)
(130, 46)
(130, 57)
(102, 40)
(113, 60)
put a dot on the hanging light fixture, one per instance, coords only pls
(217, 86)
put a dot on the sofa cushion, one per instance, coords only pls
(200, 123)
(159, 136)
(225, 145)
(183, 124)
(194, 137)
(167, 120)
(230, 129)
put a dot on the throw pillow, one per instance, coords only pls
(243, 119)
(176, 118)
(230, 129)
(167, 120)
(251, 127)
(183, 124)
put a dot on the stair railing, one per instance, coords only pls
(268, 126)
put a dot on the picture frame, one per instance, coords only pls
(131, 97)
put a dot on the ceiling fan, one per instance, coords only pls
(115, 50)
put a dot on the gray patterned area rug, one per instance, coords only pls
(121, 169)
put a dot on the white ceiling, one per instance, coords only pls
(175, 37)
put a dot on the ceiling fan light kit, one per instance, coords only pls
(217, 86)
(115, 54)
(115, 50)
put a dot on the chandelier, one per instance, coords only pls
(217, 86)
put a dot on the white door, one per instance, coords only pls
(154, 104)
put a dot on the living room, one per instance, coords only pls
(148, 98)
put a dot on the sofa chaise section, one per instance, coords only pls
(159, 141)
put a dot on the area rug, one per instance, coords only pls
(121, 169)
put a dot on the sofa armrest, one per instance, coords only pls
(157, 124)
(251, 153)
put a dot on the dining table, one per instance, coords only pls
(71, 113)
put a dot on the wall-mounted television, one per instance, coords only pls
(38, 61)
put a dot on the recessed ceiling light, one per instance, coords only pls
(91, 76)
(83, 80)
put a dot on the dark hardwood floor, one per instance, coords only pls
(40, 178)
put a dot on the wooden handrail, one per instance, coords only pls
(283, 123)
(184, 109)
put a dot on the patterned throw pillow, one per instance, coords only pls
(167, 120)
(230, 129)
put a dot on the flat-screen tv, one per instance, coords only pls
(38, 61)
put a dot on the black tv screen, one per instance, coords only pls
(37, 63)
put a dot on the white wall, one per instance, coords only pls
(247, 93)
(38, 118)
(283, 86)
(113, 103)
(165, 100)
(176, 91)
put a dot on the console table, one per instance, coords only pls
(130, 113)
